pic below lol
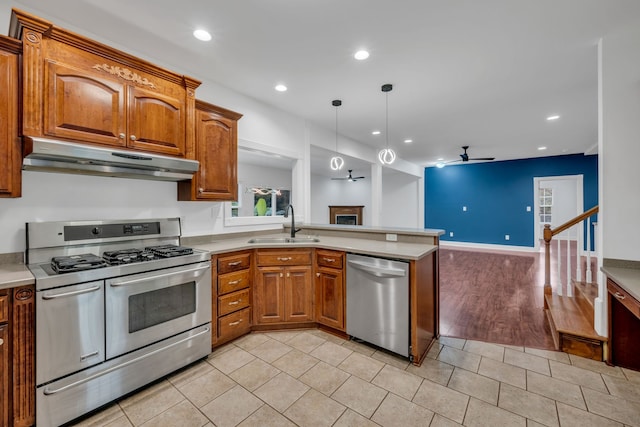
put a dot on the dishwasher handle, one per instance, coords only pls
(377, 270)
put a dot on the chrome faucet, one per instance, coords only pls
(294, 230)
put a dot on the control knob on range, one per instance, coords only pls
(95, 231)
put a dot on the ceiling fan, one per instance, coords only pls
(350, 177)
(464, 157)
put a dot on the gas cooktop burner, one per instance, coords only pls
(167, 251)
(67, 264)
(127, 256)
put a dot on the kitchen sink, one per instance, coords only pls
(284, 240)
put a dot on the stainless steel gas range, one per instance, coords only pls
(119, 304)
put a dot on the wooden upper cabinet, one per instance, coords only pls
(10, 148)
(81, 90)
(83, 106)
(156, 122)
(217, 151)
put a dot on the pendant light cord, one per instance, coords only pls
(387, 118)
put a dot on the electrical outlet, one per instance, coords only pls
(506, 237)
(392, 237)
(451, 234)
(464, 209)
(528, 208)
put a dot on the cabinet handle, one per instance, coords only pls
(200, 190)
(235, 302)
(235, 323)
(86, 356)
(234, 263)
(1, 341)
(288, 275)
(329, 259)
(285, 258)
(235, 282)
(281, 275)
(619, 295)
(317, 274)
(132, 137)
(122, 135)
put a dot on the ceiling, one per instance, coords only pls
(465, 72)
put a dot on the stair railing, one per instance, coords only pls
(584, 218)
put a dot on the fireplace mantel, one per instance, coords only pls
(349, 215)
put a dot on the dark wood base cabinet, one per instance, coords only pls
(624, 328)
(17, 357)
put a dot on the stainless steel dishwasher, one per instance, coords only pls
(378, 302)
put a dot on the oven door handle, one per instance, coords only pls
(159, 276)
(72, 293)
(48, 392)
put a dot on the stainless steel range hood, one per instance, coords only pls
(48, 155)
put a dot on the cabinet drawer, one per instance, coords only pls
(235, 262)
(233, 302)
(4, 307)
(623, 296)
(235, 281)
(284, 258)
(234, 324)
(332, 259)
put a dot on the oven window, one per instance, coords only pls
(162, 305)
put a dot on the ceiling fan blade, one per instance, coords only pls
(483, 158)
(359, 177)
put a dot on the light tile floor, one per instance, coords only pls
(311, 378)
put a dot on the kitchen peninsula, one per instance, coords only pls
(272, 285)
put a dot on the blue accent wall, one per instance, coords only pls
(496, 195)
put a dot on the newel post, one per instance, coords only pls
(547, 261)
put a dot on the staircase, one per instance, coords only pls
(570, 309)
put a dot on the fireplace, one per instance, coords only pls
(346, 215)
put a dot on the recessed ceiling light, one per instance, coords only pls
(440, 159)
(281, 88)
(361, 55)
(375, 132)
(408, 141)
(202, 35)
(550, 118)
(542, 148)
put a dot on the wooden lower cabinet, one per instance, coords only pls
(231, 293)
(4, 375)
(283, 286)
(17, 357)
(330, 289)
(283, 294)
(624, 327)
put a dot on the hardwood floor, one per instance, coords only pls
(493, 297)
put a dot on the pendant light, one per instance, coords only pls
(337, 162)
(387, 155)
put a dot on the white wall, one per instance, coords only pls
(328, 192)
(400, 195)
(55, 197)
(619, 153)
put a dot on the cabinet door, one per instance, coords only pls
(4, 375)
(156, 122)
(82, 106)
(10, 152)
(298, 294)
(23, 326)
(216, 148)
(268, 302)
(330, 297)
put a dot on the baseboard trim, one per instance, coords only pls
(487, 246)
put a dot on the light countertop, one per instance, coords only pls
(372, 229)
(385, 249)
(627, 278)
(14, 275)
